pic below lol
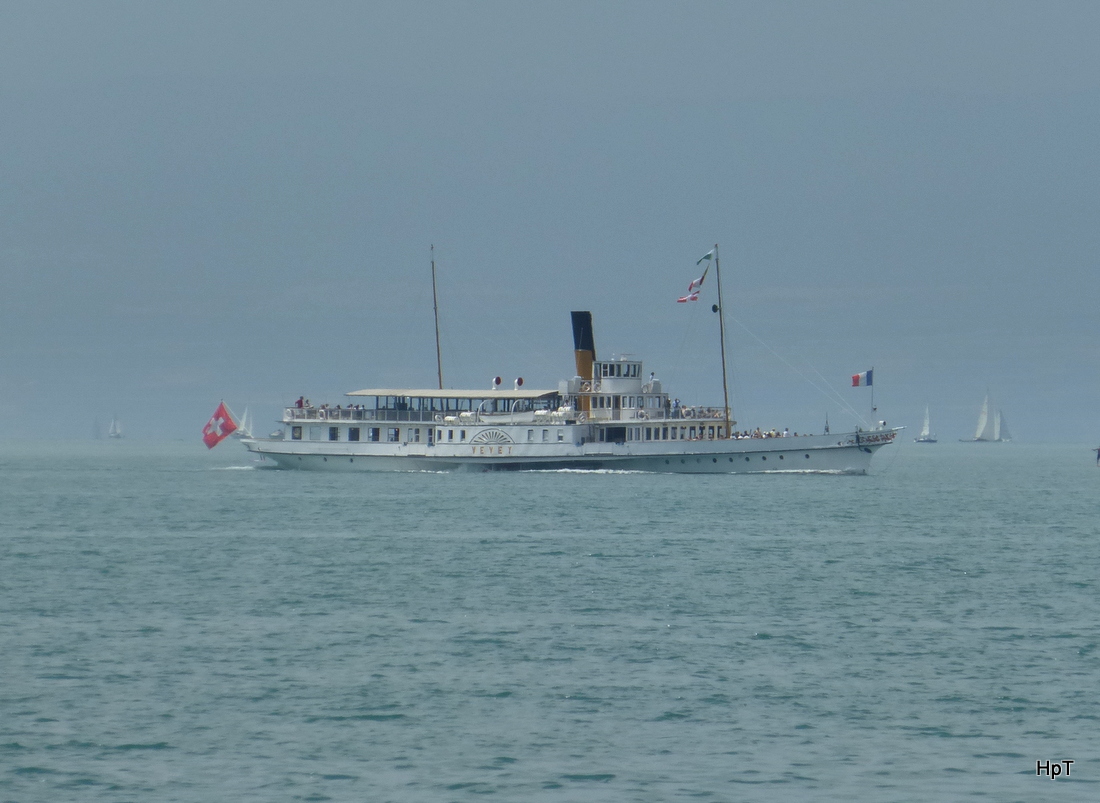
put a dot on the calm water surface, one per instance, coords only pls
(178, 626)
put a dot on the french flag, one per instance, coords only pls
(862, 380)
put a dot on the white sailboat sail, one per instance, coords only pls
(984, 431)
(244, 426)
(991, 425)
(115, 430)
(926, 435)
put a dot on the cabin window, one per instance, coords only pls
(334, 433)
(462, 435)
(546, 436)
(710, 432)
(374, 434)
(450, 434)
(413, 435)
(530, 435)
(691, 433)
(664, 433)
(619, 370)
(674, 433)
(561, 435)
(316, 433)
(295, 433)
(393, 434)
(649, 433)
(353, 433)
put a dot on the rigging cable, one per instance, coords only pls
(828, 391)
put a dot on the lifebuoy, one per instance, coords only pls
(585, 387)
(582, 418)
(687, 412)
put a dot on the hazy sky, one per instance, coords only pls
(236, 200)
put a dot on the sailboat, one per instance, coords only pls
(115, 430)
(992, 427)
(244, 427)
(926, 435)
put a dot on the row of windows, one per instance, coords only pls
(609, 369)
(489, 404)
(393, 434)
(616, 402)
(321, 433)
(684, 433)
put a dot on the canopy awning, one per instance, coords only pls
(450, 393)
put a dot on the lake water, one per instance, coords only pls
(176, 625)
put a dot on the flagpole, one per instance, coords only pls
(435, 308)
(722, 341)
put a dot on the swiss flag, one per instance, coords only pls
(220, 426)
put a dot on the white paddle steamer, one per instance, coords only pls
(609, 416)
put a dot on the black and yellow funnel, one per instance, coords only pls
(584, 351)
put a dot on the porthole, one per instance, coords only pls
(807, 457)
(746, 460)
(763, 457)
(351, 459)
(666, 462)
(780, 457)
(714, 459)
(325, 459)
(731, 459)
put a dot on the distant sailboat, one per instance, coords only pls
(244, 428)
(992, 427)
(115, 430)
(926, 435)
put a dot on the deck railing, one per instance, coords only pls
(466, 417)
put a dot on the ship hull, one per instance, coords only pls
(845, 454)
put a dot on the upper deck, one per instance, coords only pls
(427, 404)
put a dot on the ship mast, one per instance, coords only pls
(435, 306)
(722, 340)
